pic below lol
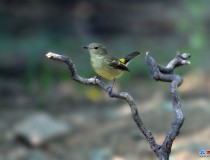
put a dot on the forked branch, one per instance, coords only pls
(159, 73)
(165, 74)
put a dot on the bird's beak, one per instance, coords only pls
(85, 47)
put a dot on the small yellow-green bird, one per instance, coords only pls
(105, 64)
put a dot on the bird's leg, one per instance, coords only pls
(109, 89)
(113, 83)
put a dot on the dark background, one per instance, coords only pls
(31, 84)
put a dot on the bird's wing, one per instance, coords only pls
(116, 64)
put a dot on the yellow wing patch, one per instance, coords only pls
(122, 60)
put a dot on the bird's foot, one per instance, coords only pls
(109, 90)
(97, 77)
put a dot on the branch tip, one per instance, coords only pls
(51, 54)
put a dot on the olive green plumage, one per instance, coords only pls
(105, 64)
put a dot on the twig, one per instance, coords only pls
(155, 69)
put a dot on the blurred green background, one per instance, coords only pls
(102, 127)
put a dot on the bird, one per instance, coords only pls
(106, 65)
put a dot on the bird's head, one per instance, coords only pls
(96, 48)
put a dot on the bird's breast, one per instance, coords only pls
(102, 69)
(97, 61)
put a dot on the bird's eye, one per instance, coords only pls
(95, 47)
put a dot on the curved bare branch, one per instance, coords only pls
(159, 73)
(121, 95)
(165, 74)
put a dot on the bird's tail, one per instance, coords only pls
(129, 57)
